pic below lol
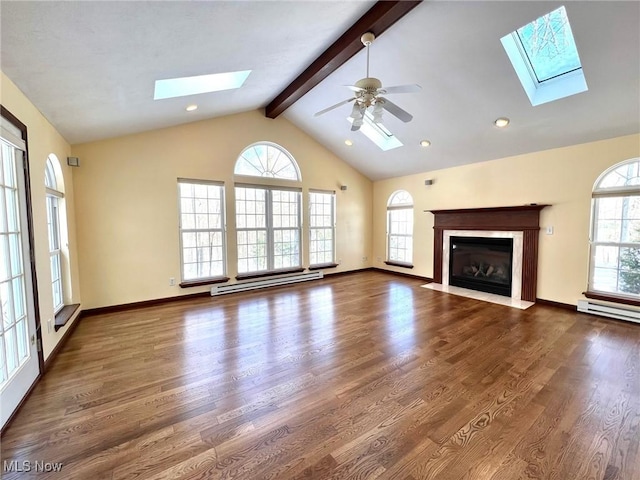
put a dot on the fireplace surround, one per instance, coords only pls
(520, 223)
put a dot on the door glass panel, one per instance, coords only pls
(5, 272)
(3, 363)
(14, 329)
(11, 212)
(23, 349)
(18, 298)
(7, 310)
(8, 166)
(15, 252)
(12, 350)
(3, 220)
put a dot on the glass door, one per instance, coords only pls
(19, 363)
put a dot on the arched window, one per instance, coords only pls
(54, 195)
(268, 217)
(267, 160)
(615, 232)
(400, 228)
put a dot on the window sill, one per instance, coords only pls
(320, 266)
(612, 297)
(207, 281)
(399, 264)
(64, 315)
(247, 276)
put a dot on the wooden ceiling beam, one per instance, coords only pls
(377, 19)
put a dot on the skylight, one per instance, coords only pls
(183, 86)
(378, 133)
(545, 58)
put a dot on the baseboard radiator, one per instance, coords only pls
(266, 282)
(621, 313)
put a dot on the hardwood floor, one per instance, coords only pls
(361, 376)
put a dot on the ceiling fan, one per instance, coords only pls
(368, 93)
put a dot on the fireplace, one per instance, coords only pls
(520, 224)
(481, 263)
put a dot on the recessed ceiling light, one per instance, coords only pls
(501, 122)
(180, 87)
(191, 108)
(348, 143)
(425, 143)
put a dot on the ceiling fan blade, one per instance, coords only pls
(402, 89)
(339, 104)
(395, 110)
(354, 88)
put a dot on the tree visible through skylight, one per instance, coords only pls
(549, 45)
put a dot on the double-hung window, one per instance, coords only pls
(202, 230)
(322, 228)
(268, 228)
(53, 223)
(615, 232)
(400, 228)
(268, 211)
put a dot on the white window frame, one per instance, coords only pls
(270, 229)
(265, 166)
(53, 226)
(624, 193)
(195, 230)
(393, 208)
(314, 228)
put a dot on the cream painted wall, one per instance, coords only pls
(562, 177)
(126, 196)
(44, 140)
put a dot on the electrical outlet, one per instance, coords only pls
(364, 259)
(49, 325)
(549, 231)
(172, 282)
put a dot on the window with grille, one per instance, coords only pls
(267, 160)
(268, 228)
(615, 232)
(268, 217)
(400, 228)
(321, 228)
(53, 223)
(202, 230)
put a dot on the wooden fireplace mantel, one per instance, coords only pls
(522, 218)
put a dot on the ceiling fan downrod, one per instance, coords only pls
(367, 39)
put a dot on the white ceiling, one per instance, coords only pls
(90, 67)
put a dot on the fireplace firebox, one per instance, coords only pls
(481, 263)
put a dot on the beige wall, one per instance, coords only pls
(125, 199)
(562, 177)
(126, 195)
(44, 140)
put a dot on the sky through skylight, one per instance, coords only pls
(549, 45)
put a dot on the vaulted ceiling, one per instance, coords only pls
(90, 68)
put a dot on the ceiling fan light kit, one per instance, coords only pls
(368, 93)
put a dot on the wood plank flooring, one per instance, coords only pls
(361, 376)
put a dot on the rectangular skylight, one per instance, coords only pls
(545, 58)
(183, 86)
(378, 133)
(549, 45)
